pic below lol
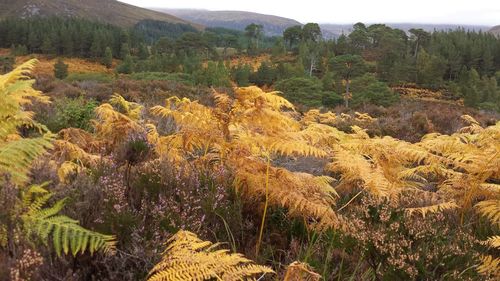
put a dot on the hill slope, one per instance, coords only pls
(495, 30)
(273, 25)
(108, 11)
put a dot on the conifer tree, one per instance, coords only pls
(108, 57)
(60, 69)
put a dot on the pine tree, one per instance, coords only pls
(108, 57)
(60, 69)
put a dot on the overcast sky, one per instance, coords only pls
(480, 12)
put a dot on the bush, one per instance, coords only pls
(68, 112)
(60, 69)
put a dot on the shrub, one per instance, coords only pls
(60, 69)
(71, 112)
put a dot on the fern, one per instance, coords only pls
(187, 257)
(65, 233)
(17, 153)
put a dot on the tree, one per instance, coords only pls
(60, 69)
(127, 65)
(430, 70)
(6, 64)
(420, 37)
(108, 57)
(345, 67)
(292, 36)
(265, 75)
(359, 38)
(311, 32)
(241, 74)
(367, 89)
(143, 52)
(215, 74)
(124, 50)
(254, 33)
(307, 91)
(47, 47)
(469, 86)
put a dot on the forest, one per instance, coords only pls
(165, 152)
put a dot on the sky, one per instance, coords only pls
(474, 12)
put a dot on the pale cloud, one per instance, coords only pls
(480, 12)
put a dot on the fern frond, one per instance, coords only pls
(189, 258)
(130, 109)
(491, 210)
(440, 207)
(65, 233)
(16, 156)
(493, 241)
(489, 266)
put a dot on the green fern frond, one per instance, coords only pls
(187, 257)
(65, 233)
(16, 156)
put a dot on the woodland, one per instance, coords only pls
(162, 152)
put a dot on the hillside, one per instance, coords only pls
(108, 11)
(495, 30)
(273, 25)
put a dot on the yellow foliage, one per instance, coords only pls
(187, 257)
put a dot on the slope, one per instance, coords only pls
(273, 25)
(108, 11)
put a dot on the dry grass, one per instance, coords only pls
(75, 65)
(254, 62)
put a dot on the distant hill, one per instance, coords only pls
(108, 11)
(495, 30)
(335, 30)
(273, 25)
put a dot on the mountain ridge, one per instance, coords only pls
(273, 25)
(107, 11)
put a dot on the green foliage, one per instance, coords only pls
(60, 69)
(241, 74)
(430, 70)
(266, 74)
(18, 50)
(368, 90)
(16, 157)
(215, 74)
(6, 64)
(107, 60)
(307, 91)
(152, 30)
(17, 153)
(65, 233)
(62, 36)
(72, 113)
(127, 65)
